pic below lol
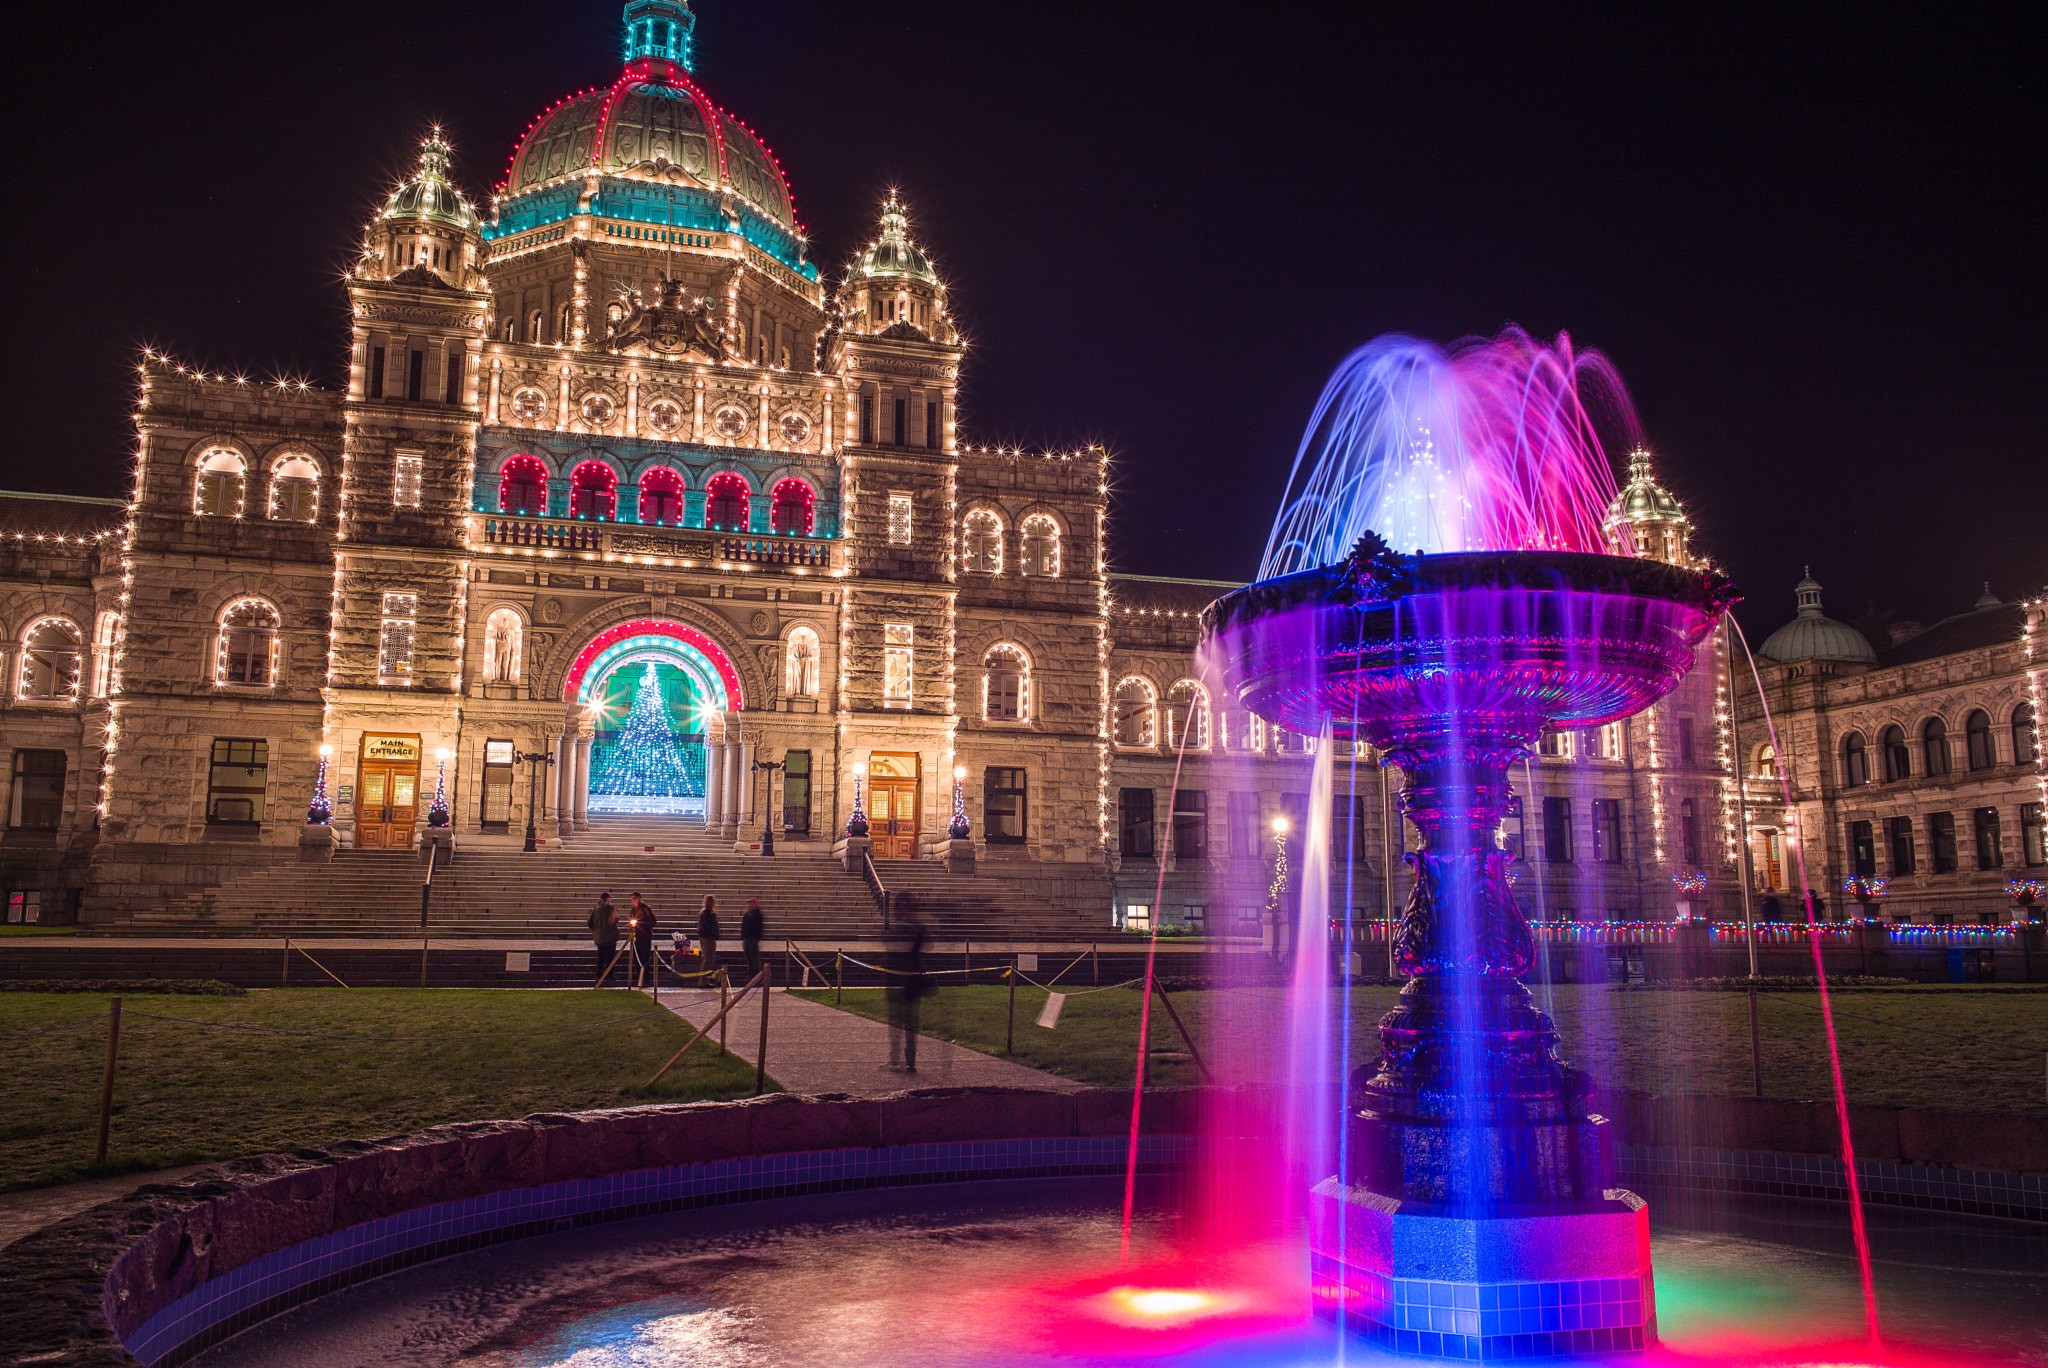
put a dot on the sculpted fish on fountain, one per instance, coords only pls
(1476, 1214)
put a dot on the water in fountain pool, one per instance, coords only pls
(1024, 1274)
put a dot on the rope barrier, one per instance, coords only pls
(393, 1040)
(82, 1021)
(1084, 992)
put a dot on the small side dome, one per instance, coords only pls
(428, 197)
(1987, 599)
(893, 253)
(1644, 519)
(1813, 636)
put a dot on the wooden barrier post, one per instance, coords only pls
(788, 973)
(705, 1029)
(723, 1005)
(107, 1079)
(423, 961)
(1010, 1031)
(966, 960)
(767, 979)
(1095, 959)
(284, 974)
(839, 978)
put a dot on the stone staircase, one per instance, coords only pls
(501, 893)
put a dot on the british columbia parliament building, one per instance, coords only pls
(616, 445)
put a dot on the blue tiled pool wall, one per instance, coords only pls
(1485, 1322)
(1975, 1192)
(265, 1287)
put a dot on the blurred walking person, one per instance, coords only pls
(907, 987)
(707, 939)
(752, 926)
(604, 932)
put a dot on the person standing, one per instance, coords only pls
(604, 931)
(908, 989)
(707, 938)
(643, 924)
(752, 926)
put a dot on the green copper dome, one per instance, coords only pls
(1814, 636)
(893, 253)
(428, 195)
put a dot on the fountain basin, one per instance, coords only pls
(1530, 1283)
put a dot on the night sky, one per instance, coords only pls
(1810, 239)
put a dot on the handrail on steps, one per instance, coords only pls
(874, 881)
(427, 884)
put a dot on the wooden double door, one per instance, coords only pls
(893, 806)
(387, 792)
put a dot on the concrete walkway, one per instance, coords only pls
(814, 1047)
(22, 1213)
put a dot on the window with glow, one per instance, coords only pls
(800, 664)
(1767, 760)
(1978, 729)
(1041, 546)
(105, 629)
(1855, 761)
(36, 801)
(1898, 758)
(896, 648)
(1934, 738)
(1006, 687)
(1609, 740)
(236, 780)
(981, 543)
(248, 644)
(1137, 704)
(1251, 732)
(899, 520)
(294, 489)
(725, 503)
(405, 482)
(523, 486)
(222, 475)
(50, 660)
(1187, 711)
(504, 646)
(593, 492)
(2034, 834)
(1556, 745)
(395, 638)
(2024, 750)
(792, 508)
(661, 497)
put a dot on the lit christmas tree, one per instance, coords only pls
(646, 765)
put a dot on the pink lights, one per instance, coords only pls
(690, 636)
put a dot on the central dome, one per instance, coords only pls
(652, 124)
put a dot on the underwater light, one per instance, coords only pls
(1165, 1303)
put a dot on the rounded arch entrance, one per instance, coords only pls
(653, 689)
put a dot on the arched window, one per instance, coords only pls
(1934, 742)
(1006, 689)
(800, 664)
(981, 543)
(1688, 832)
(504, 646)
(50, 659)
(1041, 546)
(593, 492)
(2023, 747)
(294, 489)
(105, 629)
(1187, 710)
(247, 653)
(523, 486)
(661, 497)
(533, 326)
(792, 508)
(1855, 763)
(1898, 760)
(1137, 703)
(1767, 759)
(562, 322)
(222, 475)
(725, 503)
(1978, 728)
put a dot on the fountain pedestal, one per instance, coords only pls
(1475, 1215)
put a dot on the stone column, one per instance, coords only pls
(565, 784)
(730, 825)
(746, 778)
(582, 790)
(714, 784)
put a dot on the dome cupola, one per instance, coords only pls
(426, 227)
(1813, 637)
(891, 289)
(1645, 519)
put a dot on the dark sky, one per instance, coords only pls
(1811, 239)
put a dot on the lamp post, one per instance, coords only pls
(537, 759)
(320, 812)
(768, 808)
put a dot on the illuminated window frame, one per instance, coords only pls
(396, 633)
(248, 629)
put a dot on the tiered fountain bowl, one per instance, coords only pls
(1476, 1215)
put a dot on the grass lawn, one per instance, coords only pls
(30, 929)
(186, 1093)
(1919, 1047)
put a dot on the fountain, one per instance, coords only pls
(1455, 596)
